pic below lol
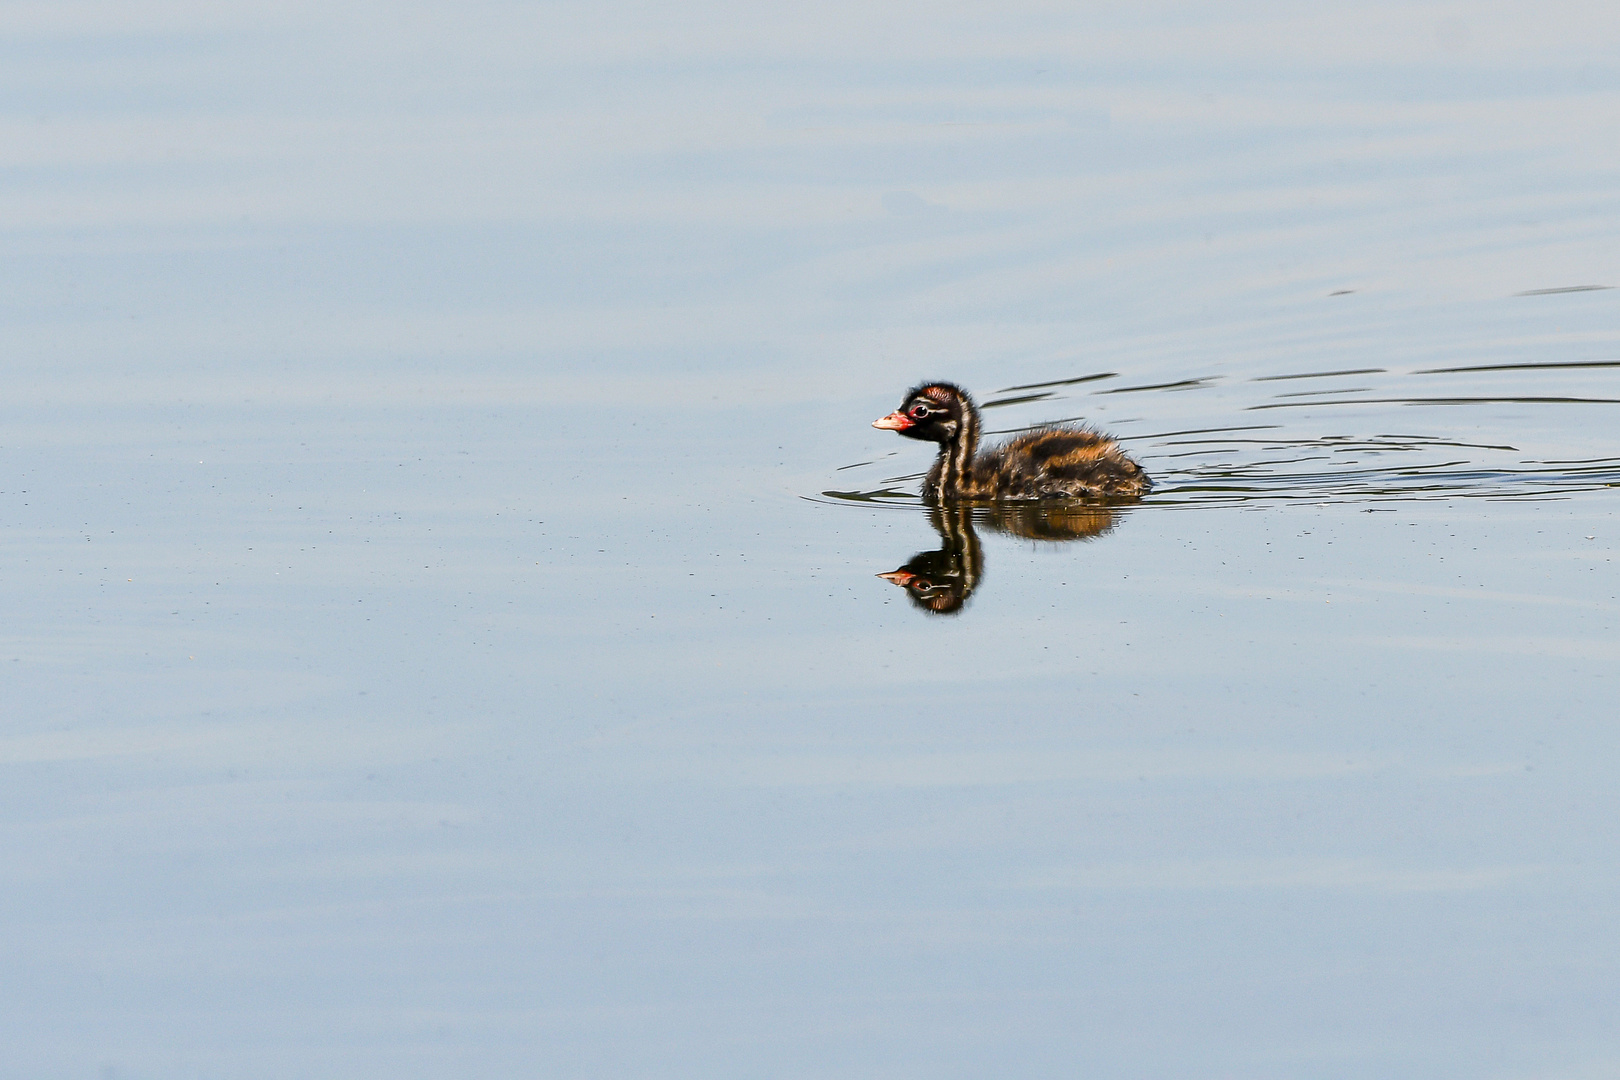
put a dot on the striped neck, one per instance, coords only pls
(956, 456)
(955, 527)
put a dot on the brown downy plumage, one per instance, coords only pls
(1055, 462)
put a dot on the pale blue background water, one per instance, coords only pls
(431, 652)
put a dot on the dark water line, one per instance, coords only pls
(999, 402)
(1418, 442)
(1208, 431)
(1441, 401)
(1321, 374)
(1268, 443)
(1549, 365)
(1060, 382)
(1342, 443)
(1188, 453)
(1180, 384)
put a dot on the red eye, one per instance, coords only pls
(919, 412)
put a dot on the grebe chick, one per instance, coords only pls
(1061, 461)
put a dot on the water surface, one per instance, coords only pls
(442, 529)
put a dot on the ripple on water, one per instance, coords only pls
(1468, 453)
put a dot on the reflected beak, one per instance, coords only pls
(901, 578)
(895, 421)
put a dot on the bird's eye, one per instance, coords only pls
(919, 412)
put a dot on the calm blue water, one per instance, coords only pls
(441, 525)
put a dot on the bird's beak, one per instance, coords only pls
(895, 421)
(901, 578)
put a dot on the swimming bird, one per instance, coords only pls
(1054, 462)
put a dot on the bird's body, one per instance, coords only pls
(1057, 462)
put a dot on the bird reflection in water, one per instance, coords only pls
(940, 582)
